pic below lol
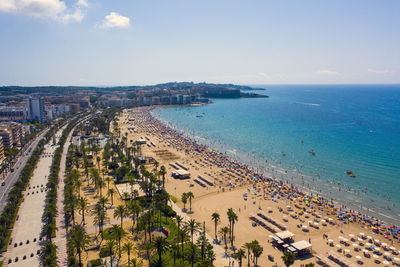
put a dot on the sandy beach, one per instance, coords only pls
(332, 230)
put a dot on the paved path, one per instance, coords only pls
(221, 259)
(61, 235)
(26, 233)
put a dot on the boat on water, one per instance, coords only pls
(349, 172)
(352, 175)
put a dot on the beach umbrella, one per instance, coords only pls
(377, 249)
(365, 251)
(345, 240)
(362, 234)
(355, 245)
(338, 246)
(385, 262)
(384, 245)
(359, 239)
(387, 254)
(330, 240)
(369, 237)
(358, 257)
(347, 250)
(368, 244)
(377, 241)
(351, 235)
(376, 256)
(341, 237)
(396, 259)
(392, 248)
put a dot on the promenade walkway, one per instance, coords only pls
(61, 235)
(25, 239)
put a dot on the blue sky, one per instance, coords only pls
(124, 42)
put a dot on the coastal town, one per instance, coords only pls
(93, 178)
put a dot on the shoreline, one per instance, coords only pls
(234, 182)
(365, 210)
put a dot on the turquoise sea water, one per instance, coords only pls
(349, 127)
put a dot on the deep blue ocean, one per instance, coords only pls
(348, 127)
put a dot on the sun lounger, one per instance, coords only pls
(269, 226)
(271, 219)
(325, 261)
(339, 259)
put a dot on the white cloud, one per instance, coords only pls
(44, 9)
(82, 3)
(328, 72)
(7, 5)
(77, 16)
(115, 20)
(380, 71)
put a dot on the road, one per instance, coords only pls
(12, 177)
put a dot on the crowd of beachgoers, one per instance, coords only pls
(262, 185)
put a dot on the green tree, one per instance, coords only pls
(192, 227)
(190, 195)
(120, 212)
(184, 200)
(78, 240)
(83, 204)
(288, 258)
(128, 247)
(161, 245)
(111, 192)
(224, 231)
(216, 218)
(239, 255)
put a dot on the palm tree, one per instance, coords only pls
(128, 247)
(184, 200)
(108, 180)
(78, 240)
(111, 192)
(120, 212)
(118, 233)
(110, 245)
(288, 258)
(100, 217)
(163, 171)
(224, 231)
(232, 219)
(103, 201)
(257, 251)
(161, 245)
(83, 204)
(190, 195)
(248, 246)
(216, 218)
(202, 243)
(134, 210)
(147, 246)
(239, 255)
(174, 247)
(192, 226)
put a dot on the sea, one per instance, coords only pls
(310, 135)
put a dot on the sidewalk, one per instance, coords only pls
(61, 235)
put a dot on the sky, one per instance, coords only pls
(131, 42)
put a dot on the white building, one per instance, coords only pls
(36, 109)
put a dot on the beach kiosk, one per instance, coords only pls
(286, 236)
(181, 174)
(302, 247)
